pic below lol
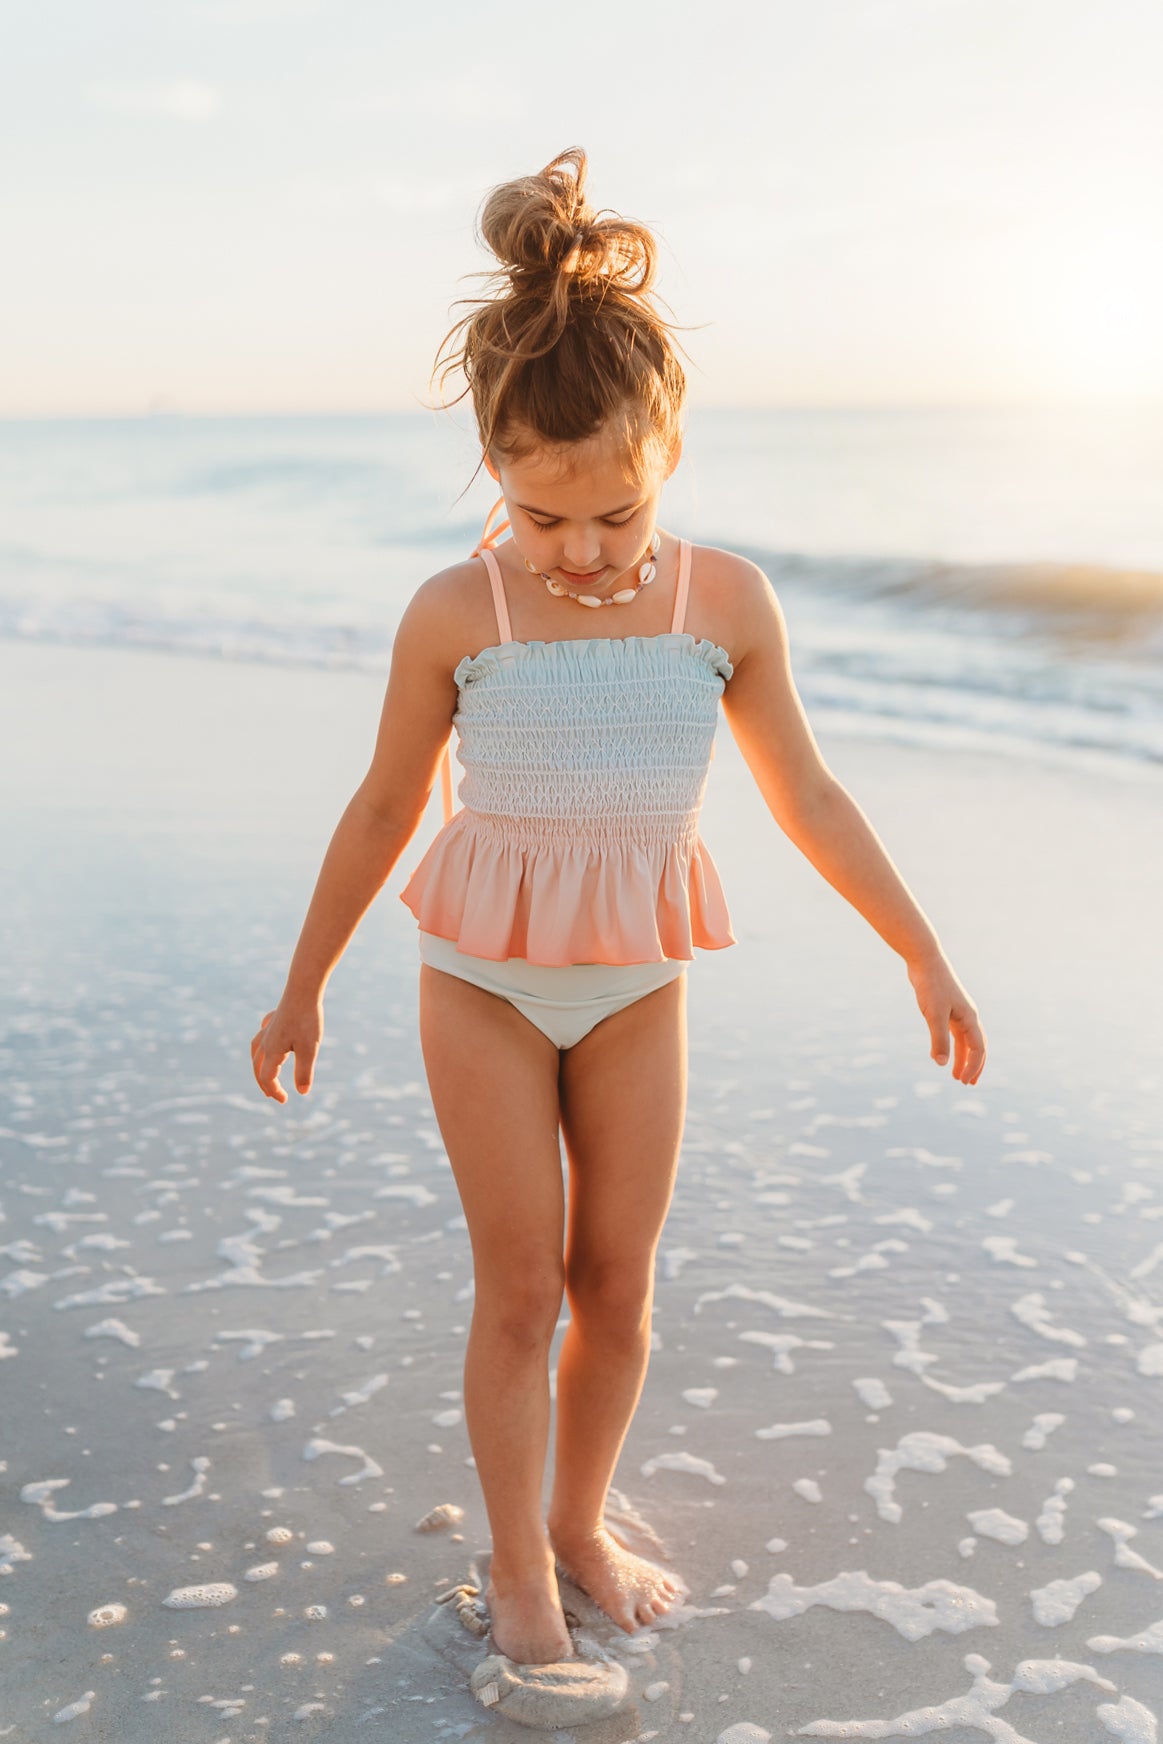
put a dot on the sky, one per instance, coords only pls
(231, 206)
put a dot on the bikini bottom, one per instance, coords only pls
(565, 1003)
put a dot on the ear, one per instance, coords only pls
(675, 457)
(491, 469)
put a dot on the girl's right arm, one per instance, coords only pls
(373, 832)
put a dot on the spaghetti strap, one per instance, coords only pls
(504, 627)
(684, 577)
(484, 549)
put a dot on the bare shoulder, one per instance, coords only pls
(735, 595)
(446, 614)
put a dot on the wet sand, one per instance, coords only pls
(901, 1428)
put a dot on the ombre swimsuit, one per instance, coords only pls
(573, 880)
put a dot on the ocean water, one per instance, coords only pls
(982, 577)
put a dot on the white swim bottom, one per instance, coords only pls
(565, 1003)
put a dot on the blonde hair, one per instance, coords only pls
(569, 342)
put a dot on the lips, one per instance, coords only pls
(569, 575)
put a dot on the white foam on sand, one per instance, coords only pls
(781, 1345)
(370, 1468)
(682, 1462)
(872, 1393)
(1148, 1640)
(1051, 1521)
(359, 1395)
(780, 1431)
(1003, 1250)
(1043, 1426)
(1125, 1557)
(107, 1616)
(995, 1523)
(923, 1451)
(40, 1495)
(913, 1612)
(1129, 1720)
(783, 1305)
(116, 1290)
(1033, 1313)
(910, 1356)
(975, 1709)
(1056, 1603)
(75, 1709)
(200, 1466)
(11, 1552)
(114, 1329)
(205, 1596)
(1058, 1368)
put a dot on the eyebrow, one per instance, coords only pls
(550, 516)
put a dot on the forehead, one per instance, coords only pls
(578, 478)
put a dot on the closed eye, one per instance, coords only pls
(545, 526)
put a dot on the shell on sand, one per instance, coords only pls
(446, 1514)
(469, 1608)
(569, 1694)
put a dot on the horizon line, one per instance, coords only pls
(177, 414)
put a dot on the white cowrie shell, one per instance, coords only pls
(587, 599)
(646, 573)
(624, 596)
(557, 588)
(655, 544)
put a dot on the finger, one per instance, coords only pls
(975, 1057)
(268, 1067)
(961, 1053)
(304, 1073)
(969, 1043)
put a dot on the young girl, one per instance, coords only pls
(582, 661)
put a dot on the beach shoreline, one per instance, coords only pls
(284, 1292)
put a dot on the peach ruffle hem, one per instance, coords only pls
(560, 902)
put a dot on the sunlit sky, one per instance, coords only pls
(267, 205)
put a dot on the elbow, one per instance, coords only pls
(802, 816)
(393, 817)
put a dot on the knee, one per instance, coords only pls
(612, 1298)
(520, 1304)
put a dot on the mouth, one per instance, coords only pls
(569, 575)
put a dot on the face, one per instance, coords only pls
(581, 521)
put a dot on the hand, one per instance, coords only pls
(296, 1031)
(945, 1006)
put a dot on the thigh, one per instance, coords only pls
(493, 1080)
(623, 1103)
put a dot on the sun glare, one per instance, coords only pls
(1098, 328)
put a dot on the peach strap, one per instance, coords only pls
(503, 625)
(684, 581)
(488, 539)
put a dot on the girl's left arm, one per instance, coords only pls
(820, 816)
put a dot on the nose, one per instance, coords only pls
(581, 551)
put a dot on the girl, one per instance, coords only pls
(559, 907)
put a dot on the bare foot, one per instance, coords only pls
(528, 1624)
(630, 1590)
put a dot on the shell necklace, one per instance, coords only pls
(647, 570)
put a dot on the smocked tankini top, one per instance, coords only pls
(585, 763)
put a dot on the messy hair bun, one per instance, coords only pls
(569, 341)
